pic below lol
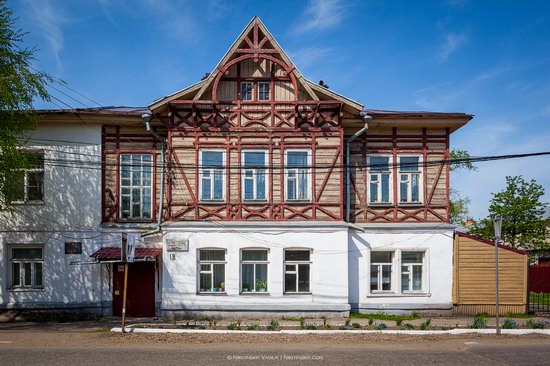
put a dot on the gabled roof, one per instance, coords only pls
(253, 27)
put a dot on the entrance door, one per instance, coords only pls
(140, 299)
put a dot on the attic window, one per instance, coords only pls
(246, 90)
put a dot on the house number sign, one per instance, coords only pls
(173, 245)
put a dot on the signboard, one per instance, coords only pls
(173, 245)
(73, 247)
(131, 242)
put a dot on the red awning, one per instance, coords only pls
(113, 254)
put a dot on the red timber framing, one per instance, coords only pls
(115, 141)
(433, 147)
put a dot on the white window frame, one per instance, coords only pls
(22, 261)
(419, 172)
(42, 170)
(131, 187)
(380, 266)
(251, 91)
(268, 90)
(296, 172)
(211, 263)
(410, 271)
(254, 290)
(212, 171)
(255, 172)
(296, 270)
(379, 181)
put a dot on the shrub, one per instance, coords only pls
(254, 326)
(310, 327)
(348, 322)
(407, 326)
(371, 320)
(535, 324)
(302, 323)
(509, 324)
(212, 323)
(398, 322)
(480, 321)
(272, 325)
(234, 326)
(356, 325)
(381, 326)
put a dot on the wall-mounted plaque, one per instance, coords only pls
(177, 245)
(73, 247)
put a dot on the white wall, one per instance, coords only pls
(328, 270)
(71, 211)
(438, 264)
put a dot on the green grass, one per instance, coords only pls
(384, 316)
(292, 318)
(102, 330)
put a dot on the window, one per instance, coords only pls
(297, 175)
(212, 177)
(263, 91)
(26, 267)
(212, 270)
(409, 179)
(411, 271)
(297, 271)
(379, 176)
(135, 186)
(254, 175)
(27, 185)
(246, 90)
(254, 270)
(381, 271)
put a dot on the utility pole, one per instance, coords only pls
(497, 224)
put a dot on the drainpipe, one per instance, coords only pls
(366, 118)
(146, 117)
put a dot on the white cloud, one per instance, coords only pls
(50, 22)
(307, 56)
(320, 15)
(451, 43)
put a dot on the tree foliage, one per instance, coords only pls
(19, 86)
(459, 204)
(523, 215)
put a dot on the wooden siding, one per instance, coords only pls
(432, 145)
(474, 277)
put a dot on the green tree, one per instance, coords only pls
(460, 159)
(523, 215)
(19, 86)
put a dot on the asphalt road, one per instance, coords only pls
(253, 355)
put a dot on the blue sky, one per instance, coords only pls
(488, 58)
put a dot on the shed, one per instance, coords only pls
(474, 277)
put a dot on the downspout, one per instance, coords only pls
(146, 117)
(366, 118)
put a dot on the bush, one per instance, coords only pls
(234, 326)
(407, 326)
(398, 322)
(356, 325)
(302, 323)
(426, 324)
(381, 326)
(254, 326)
(509, 324)
(480, 321)
(348, 322)
(212, 323)
(535, 324)
(371, 320)
(272, 325)
(310, 327)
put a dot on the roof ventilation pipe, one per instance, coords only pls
(147, 117)
(366, 118)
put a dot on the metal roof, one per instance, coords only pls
(113, 253)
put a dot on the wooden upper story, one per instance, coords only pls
(254, 140)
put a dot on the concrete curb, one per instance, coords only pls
(322, 331)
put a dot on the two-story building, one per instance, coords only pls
(268, 194)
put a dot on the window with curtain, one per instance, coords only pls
(297, 271)
(211, 270)
(298, 175)
(254, 270)
(379, 176)
(412, 264)
(212, 176)
(381, 271)
(136, 186)
(409, 179)
(27, 263)
(254, 175)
